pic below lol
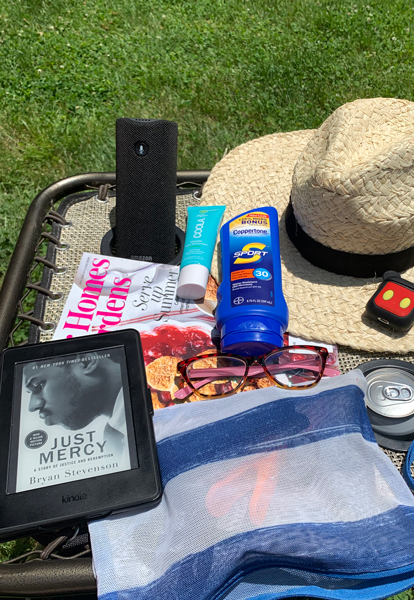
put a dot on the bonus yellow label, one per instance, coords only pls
(252, 219)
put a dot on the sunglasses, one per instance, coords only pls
(218, 375)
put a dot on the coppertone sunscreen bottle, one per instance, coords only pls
(252, 314)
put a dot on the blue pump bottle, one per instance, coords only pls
(252, 313)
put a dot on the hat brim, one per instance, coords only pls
(322, 306)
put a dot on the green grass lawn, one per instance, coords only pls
(226, 70)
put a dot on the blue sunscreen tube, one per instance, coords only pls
(252, 313)
(203, 225)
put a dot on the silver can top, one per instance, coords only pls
(390, 392)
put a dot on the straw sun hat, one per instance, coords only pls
(348, 190)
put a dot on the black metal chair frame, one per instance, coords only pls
(48, 575)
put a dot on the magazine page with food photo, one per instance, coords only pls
(112, 293)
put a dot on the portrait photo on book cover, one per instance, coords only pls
(71, 419)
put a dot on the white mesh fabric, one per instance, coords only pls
(300, 489)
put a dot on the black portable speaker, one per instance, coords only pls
(146, 177)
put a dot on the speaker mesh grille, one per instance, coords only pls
(145, 189)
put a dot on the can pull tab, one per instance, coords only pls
(398, 392)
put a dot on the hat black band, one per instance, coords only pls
(344, 263)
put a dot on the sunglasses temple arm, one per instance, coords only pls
(212, 374)
(257, 370)
(187, 390)
(329, 372)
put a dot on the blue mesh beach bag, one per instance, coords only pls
(267, 494)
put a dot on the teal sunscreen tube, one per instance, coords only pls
(203, 225)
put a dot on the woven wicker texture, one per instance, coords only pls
(352, 188)
(352, 191)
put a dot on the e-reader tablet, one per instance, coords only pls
(76, 433)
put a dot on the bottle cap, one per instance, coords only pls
(192, 282)
(251, 337)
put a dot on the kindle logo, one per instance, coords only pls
(67, 499)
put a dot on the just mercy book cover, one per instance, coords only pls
(71, 420)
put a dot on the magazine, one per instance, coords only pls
(333, 358)
(115, 293)
(58, 433)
